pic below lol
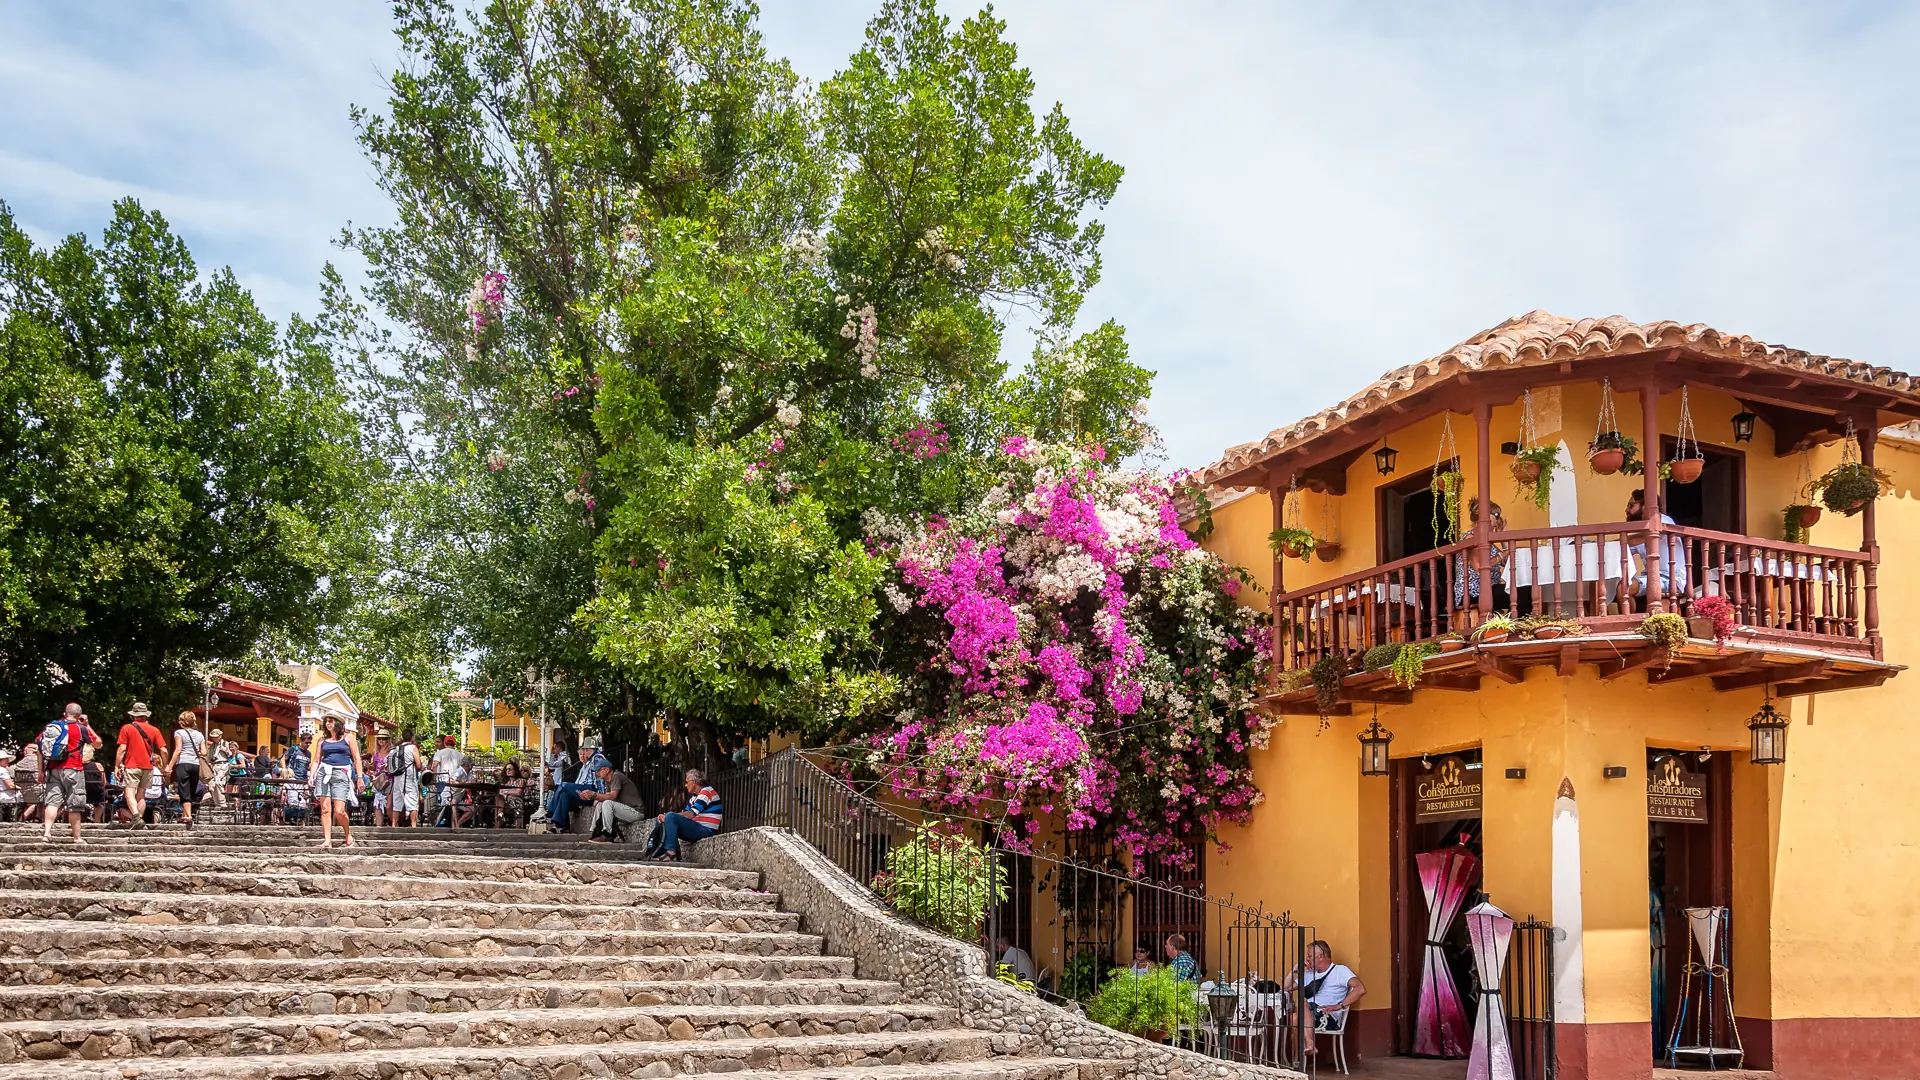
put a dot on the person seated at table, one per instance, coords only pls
(1673, 557)
(1013, 956)
(1180, 960)
(295, 799)
(510, 802)
(1142, 959)
(1330, 988)
(460, 799)
(1466, 576)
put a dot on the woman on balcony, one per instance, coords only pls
(1466, 578)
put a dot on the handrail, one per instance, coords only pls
(1770, 545)
(1459, 547)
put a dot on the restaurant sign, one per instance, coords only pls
(1674, 794)
(1448, 793)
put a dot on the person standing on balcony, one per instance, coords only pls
(1466, 576)
(1673, 557)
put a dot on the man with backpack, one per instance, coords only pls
(403, 795)
(141, 748)
(63, 746)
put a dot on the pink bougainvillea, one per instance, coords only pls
(1084, 659)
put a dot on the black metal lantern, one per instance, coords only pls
(1383, 459)
(1373, 749)
(1743, 426)
(1768, 729)
(1221, 1002)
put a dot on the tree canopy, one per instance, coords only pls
(176, 477)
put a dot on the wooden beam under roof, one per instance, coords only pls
(1784, 673)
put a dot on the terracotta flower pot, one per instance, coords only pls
(1526, 472)
(1607, 462)
(1686, 470)
(1291, 551)
(1452, 645)
(1809, 515)
(1547, 633)
(1491, 637)
(1327, 551)
(1154, 1035)
(1700, 628)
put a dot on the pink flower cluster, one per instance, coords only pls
(923, 441)
(1087, 660)
(486, 298)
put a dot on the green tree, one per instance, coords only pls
(176, 478)
(675, 323)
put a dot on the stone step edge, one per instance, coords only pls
(163, 874)
(84, 861)
(432, 933)
(711, 960)
(319, 903)
(20, 990)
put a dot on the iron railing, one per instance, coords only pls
(1077, 916)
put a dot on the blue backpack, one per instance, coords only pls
(297, 761)
(52, 753)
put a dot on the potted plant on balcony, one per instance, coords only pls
(1411, 662)
(1796, 519)
(1497, 627)
(1668, 630)
(1711, 617)
(1547, 627)
(1327, 672)
(1293, 543)
(1848, 487)
(1688, 462)
(1533, 464)
(1610, 451)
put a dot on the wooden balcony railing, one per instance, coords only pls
(1581, 572)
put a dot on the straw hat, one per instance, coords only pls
(140, 709)
(216, 733)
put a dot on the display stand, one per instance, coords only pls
(1706, 996)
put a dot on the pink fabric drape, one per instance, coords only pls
(1492, 934)
(1441, 1027)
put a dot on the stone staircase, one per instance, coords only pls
(236, 951)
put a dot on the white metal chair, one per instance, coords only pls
(1334, 1027)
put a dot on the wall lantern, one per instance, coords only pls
(1743, 426)
(1383, 459)
(1614, 772)
(1516, 774)
(1769, 730)
(1373, 749)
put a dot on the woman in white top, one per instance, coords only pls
(189, 750)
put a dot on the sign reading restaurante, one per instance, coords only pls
(1674, 794)
(1450, 792)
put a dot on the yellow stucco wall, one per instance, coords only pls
(1826, 849)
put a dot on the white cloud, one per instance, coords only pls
(1315, 192)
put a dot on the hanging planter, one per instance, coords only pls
(1800, 514)
(1848, 487)
(1292, 540)
(1446, 485)
(1610, 452)
(1533, 465)
(1328, 548)
(1687, 462)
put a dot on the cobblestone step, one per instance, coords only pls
(231, 1036)
(402, 970)
(331, 995)
(563, 849)
(860, 1057)
(51, 939)
(201, 882)
(552, 870)
(324, 911)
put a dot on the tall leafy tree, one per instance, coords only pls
(176, 477)
(676, 323)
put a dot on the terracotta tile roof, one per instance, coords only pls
(1540, 338)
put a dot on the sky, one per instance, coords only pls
(1316, 193)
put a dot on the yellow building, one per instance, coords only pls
(484, 723)
(1599, 780)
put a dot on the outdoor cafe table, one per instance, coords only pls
(481, 792)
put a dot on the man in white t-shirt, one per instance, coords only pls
(1014, 957)
(446, 766)
(1331, 988)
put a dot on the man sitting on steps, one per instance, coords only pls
(699, 820)
(618, 805)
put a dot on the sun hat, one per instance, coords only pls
(139, 709)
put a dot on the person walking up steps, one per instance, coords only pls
(183, 765)
(403, 793)
(141, 746)
(63, 747)
(336, 771)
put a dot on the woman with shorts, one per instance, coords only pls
(189, 751)
(336, 770)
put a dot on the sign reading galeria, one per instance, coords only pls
(1448, 793)
(1674, 794)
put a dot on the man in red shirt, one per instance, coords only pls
(67, 769)
(140, 744)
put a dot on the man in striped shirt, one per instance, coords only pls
(700, 819)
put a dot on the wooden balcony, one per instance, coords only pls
(1806, 617)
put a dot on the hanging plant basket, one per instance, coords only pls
(1328, 550)
(1848, 487)
(1687, 460)
(1685, 470)
(1533, 464)
(1607, 462)
(1446, 485)
(1526, 472)
(1610, 452)
(1329, 546)
(1293, 543)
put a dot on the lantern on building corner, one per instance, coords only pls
(1373, 748)
(1743, 425)
(1384, 458)
(1768, 729)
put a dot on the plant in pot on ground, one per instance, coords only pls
(1149, 1005)
(1713, 614)
(1848, 487)
(1293, 543)
(1533, 473)
(943, 882)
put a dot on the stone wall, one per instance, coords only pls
(935, 969)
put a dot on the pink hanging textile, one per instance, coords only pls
(1492, 934)
(1440, 1029)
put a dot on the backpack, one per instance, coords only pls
(52, 753)
(397, 760)
(297, 761)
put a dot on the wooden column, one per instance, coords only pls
(1278, 496)
(1482, 524)
(1650, 484)
(1869, 432)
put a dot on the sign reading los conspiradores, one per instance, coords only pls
(1674, 794)
(1448, 793)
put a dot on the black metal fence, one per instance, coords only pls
(1526, 990)
(1075, 919)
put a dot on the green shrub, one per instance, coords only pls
(943, 882)
(1381, 656)
(1080, 979)
(1137, 1004)
(1411, 662)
